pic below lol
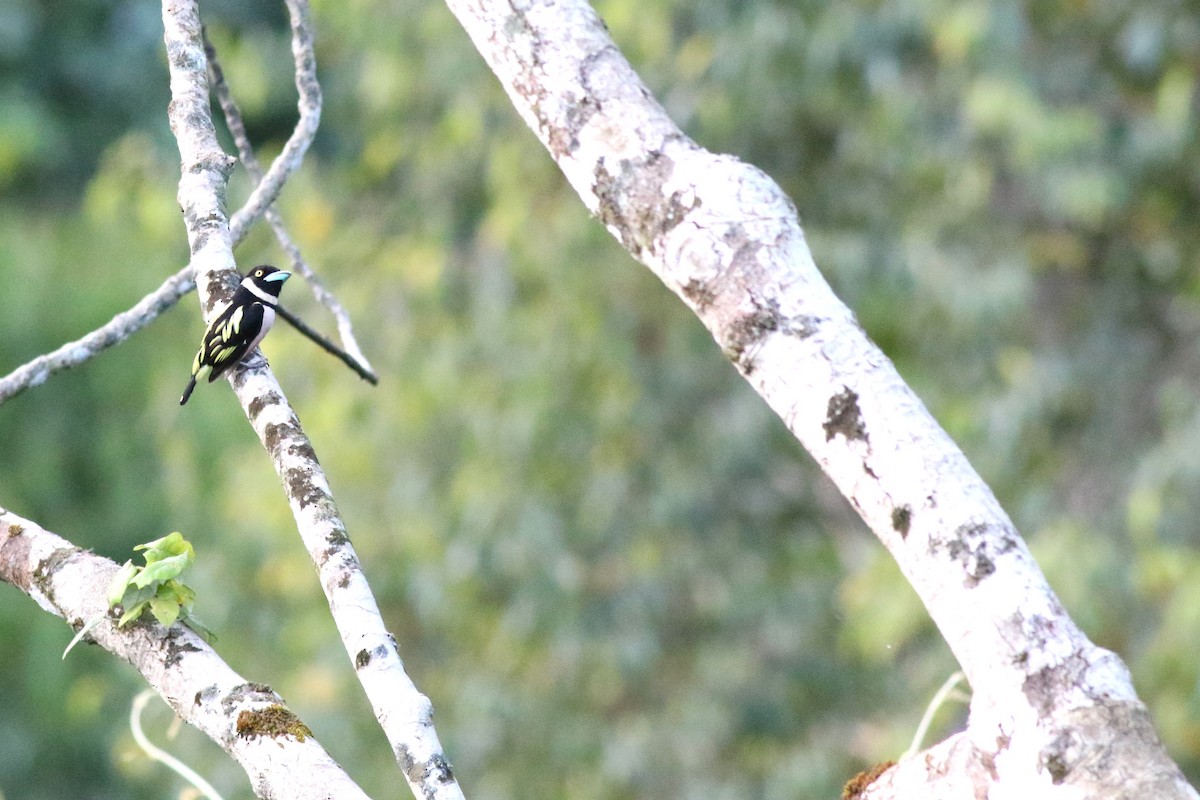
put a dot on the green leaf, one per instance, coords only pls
(170, 545)
(132, 613)
(184, 594)
(120, 582)
(165, 610)
(163, 570)
(155, 585)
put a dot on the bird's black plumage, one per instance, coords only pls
(239, 327)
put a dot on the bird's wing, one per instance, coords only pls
(229, 336)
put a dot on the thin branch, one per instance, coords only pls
(404, 714)
(125, 324)
(943, 694)
(181, 667)
(309, 106)
(119, 328)
(352, 356)
(327, 346)
(156, 753)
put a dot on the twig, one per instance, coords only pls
(309, 106)
(327, 346)
(156, 753)
(146, 310)
(119, 328)
(352, 355)
(946, 692)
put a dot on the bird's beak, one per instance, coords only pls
(277, 277)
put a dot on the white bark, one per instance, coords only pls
(179, 665)
(1052, 714)
(403, 712)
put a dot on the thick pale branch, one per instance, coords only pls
(725, 238)
(403, 712)
(188, 674)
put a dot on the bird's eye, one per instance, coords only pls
(258, 273)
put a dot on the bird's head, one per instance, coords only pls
(266, 279)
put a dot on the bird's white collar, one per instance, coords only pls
(248, 284)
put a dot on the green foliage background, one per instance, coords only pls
(606, 562)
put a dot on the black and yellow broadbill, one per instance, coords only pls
(236, 331)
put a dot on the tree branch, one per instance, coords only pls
(352, 356)
(145, 311)
(309, 106)
(404, 713)
(328, 346)
(119, 328)
(185, 671)
(725, 238)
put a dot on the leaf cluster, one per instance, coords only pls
(157, 585)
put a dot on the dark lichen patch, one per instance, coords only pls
(176, 649)
(262, 401)
(901, 520)
(215, 162)
(440, 770)
(801, 326)
(975, 546)
(303, 450)
(857, 786)
(844, 416)
(1057, 767)
(1045, 687)
(564, 140)
(1059, 757)
(745, 333)
(220, 287)
(699, 293)
(48, 566)
(274, 721)
(516, 25)
(631, 201)
(300, 487)
(248, 692)
(412, 768)
(206, 694)
(337, 538)
(276, 433)
(437, 770)
(365, 657)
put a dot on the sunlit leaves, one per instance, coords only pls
(157, 585)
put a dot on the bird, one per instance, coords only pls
(239, 327)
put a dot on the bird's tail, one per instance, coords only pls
(188, 391)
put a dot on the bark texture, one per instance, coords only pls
(1052, 713)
